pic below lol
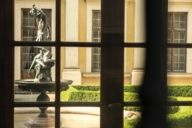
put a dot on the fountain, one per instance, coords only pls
(42, 83)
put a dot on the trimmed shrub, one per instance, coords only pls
(130, 96)
(183, 91)
(181, 119)
(85, 96)
(131, 88)
(172, 109)
(87, 87)
(65, 95)
(130, 123)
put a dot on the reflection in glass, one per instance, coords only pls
(82, 66)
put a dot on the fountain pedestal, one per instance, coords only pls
(43, 120)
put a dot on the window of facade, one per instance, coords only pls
(96, 37)
(177, 33)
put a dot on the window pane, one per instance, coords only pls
(177, 59)
(179, 82)
(134, 21)
(80, 20)
(134, 63)
(29, 118)
(80, 117)
(80, 67)
(34, 73)
(180, 116)
(34, 20)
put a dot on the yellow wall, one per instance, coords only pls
(130, 34)
(179, 79)
(63, 32)
(82, 34)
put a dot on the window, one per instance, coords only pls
(96, 37)
(111, 71)
(177, 33)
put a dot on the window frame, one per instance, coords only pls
(8, 44)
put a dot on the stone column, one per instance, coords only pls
(71, 70)
(139, 53)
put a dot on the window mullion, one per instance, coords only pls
(57, 73)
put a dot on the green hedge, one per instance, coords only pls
(87, 87)
(172, 109)
(97, 88)
(85, 96)
(72, 94)
(130, 96)
(183, 91)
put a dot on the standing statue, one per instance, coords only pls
(42, 64)
(43, 29)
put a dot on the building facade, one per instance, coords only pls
(81, 22)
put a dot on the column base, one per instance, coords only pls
(73, 74)
(137, 76)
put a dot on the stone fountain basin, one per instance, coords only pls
(30, 85)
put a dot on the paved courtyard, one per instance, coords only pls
(71, 117)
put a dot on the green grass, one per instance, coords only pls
(130, 123)
(181, 119)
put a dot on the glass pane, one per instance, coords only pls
(32, 118)
(34, 73)
(180, 116)
(134, 62)
(132, 115)
(179, 74)
(80, 117)
(178, 60)
(80, 20)
(134, 21)
(34, 20)
(177, 25)
(80, 69)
